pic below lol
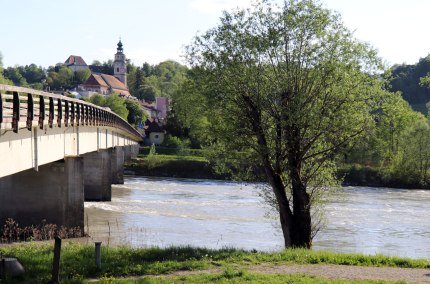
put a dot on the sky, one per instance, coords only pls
(46, 32)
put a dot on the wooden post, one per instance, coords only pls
(2, 268)
(56, 263)
(98, 253)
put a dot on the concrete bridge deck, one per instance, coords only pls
(55, 152)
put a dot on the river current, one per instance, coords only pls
(215, 214)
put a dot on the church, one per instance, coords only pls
(103, 83)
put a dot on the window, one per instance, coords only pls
(117, 69)
(156, 136)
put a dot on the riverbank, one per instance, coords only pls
(199, 265)
(192, 164)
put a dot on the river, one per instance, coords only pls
(215, 214)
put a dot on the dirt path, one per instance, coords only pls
(348, 272)
(344, 272)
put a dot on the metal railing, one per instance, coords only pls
(22, 108)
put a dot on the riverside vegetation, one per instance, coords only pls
(181, 162)
(231, 265)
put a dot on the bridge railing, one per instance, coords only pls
(23, 108)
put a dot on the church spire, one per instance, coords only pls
(119, 48)
(120, 64)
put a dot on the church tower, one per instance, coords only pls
(120, 65)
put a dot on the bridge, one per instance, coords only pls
(57, 152)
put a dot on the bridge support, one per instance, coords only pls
(135, 150)
(98, 176)
(55, 193)
(117, 165)
(127, 153)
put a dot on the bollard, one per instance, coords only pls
(98, 255)
(2, 267)
(56, 264)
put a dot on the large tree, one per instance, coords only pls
(288, 86)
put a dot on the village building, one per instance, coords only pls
(154, 132)
(100, 83)
(76, 63)
(105, 84)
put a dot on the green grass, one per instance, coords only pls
(77, 262)
(173, 151)
(173, 158)
(180, 166)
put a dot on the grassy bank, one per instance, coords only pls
(77, 263)
(180, 166)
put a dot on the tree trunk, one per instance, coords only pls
(301, 225)
(285, 214)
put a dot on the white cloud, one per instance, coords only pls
(216, 6)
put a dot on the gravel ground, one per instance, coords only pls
(347, 272)
(344, 272)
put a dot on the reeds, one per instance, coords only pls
(12, 232)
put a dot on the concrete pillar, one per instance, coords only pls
(54, 194)
(117, 165)
(127, 153)
(135, 150)
(98, 176)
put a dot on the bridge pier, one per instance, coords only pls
(98, 176)
(117, 165)
(55, 193)
(127, 153)
(135, 150)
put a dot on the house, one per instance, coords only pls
(103, 83)
(157, 110)
(154, 132)
(76, 63)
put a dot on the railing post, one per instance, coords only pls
(16, 114)
(83, 115)
(59, 112)
(78, 114)
(87, 115)
(41, 111)
(72, 113)
(30, 111)
(1, 110)
(66, 115)
(51, 112)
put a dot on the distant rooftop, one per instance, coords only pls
(75, 60)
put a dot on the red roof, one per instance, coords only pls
(107, 81)
(75, 60)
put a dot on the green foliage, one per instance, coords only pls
(174, 151)
(136, 114)
(13, 74)
(148, 82)
(181, 166)
(411, 81)
(106, 67)
(113, 101)
(61, 79)
(117, 105)
(147, 93)
(81, 76)
(152, 150)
